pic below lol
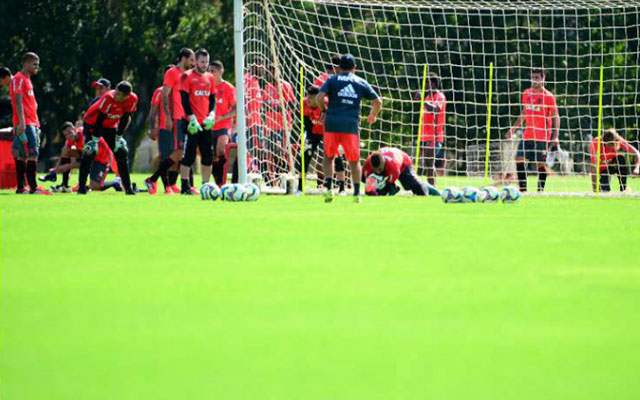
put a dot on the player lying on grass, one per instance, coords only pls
(386, 166)
(108, 118)
(69, 157)
(612, 161)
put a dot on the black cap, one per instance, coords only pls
(103, 82)
(347, 62)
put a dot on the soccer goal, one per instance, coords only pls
(574, 41)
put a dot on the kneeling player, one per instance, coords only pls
(393, 164)
(69, 157)
(612, 160)
(102, 161)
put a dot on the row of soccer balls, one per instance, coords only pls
(487, 194)
(230, 192)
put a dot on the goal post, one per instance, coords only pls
(392, 41)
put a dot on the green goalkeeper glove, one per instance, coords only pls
(91, 147)
(194, 127)
(120, 144)
(209, 121)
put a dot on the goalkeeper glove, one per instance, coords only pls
(209, 120)
(193, 127)
(91, 147)
(121, 143)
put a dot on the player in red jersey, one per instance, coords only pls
(5, 76)
(109, 118)
(225, 95)
(253, 104)
(276, 127)
(69, 156)
(26, 126)
(314, 133)
(175, 127)
(612, 161)
(157, 124)
(384, 167)
(198, 101)
(540, 115)
(101, 86)
(432, 137)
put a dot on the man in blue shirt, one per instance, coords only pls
(342, 122)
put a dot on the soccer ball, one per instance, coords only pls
(510, 194)
(233, 192)
(451, 195)
(491, 194)
(209, 191)
(471, 194)
(252, 192)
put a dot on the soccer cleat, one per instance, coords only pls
(22, 191)
(75, 188)
(190, 192)
(129, 192)
(328, 196)
(81, 190)
(342, 193)
(168, 191)
(152, 186)
(39, 190)
(50, 177)
(175, 189)
(357, 199)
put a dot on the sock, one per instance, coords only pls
(218, 170)
(542, 179)
(356, 189)
(65, 175)
(623, 182)
(165, 180)
(185, 185)
(108, 185)
(172, 177)
(191, 177)
(328, 183)
(522, 176)
(162, 169)
(31, 174)
(341, 186)
(123, 169)
(85, 166)
(21, 166)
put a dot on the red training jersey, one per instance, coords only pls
(225, 100)
(607, 153)
(395, 162)
(21, 85)
(104, 156)
(538, 109)
(274, 113)
(78, 143)
(316, 115)
(156, 101)
(173, 78)
(253, 99)
(434, 130)
(111, 108)
(199, 88)
(320, 80)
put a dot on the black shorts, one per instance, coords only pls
(108, 134)
(532, 150)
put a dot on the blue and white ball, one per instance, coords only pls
(510, 194)
(491, 194)
(472, 194)
(252, 192)
(232, 192)
(209, 191)
(451, 195)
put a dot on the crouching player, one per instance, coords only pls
(393, 164)
(109, 118)
(69, 156)
(612, 160)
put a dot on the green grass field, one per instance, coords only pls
(113, 297)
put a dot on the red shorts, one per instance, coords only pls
(350, 143)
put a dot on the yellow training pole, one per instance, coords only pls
(486, 157)
(599, 130)
(421, 123)
(302, 138)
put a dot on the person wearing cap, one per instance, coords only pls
(101, 86)
(345, 91)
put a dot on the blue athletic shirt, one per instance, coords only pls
(345, 92)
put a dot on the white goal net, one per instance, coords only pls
(392, 41)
